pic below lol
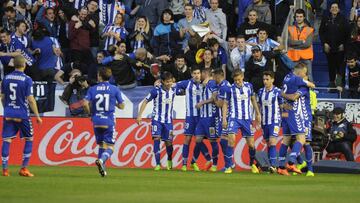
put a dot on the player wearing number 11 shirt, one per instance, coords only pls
(103, 98)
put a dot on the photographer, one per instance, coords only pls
(75, 92)
(342, 135)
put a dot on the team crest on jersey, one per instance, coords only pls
(276, 129)
(212, 130)
(242, 96)
(167, 101)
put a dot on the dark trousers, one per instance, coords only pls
(344, 147)
(82, 56)
(335, 63)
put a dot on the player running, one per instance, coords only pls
(103, 98)
(162, 127)
(16, 97)
(270, 101)
(293, 121)
(240, 99)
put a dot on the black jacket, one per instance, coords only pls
(334, 31)
(122, 70)
(254, 72)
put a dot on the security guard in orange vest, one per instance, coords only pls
(300, 42)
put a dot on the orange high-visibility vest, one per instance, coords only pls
(295, 34)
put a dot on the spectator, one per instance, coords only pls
(79, 36)
(142, 34)
(94, 67)
(255, 67)
(6, 51)
(190, 54)
(300, 41)
(199, 10)
(92, 6)
(280, 11)
(263, 40)
(152, 9)
(21, 43)
(48, 20)
(144, 74)
(342, 135)
(217, 20)
(166, 36)
(355, 11)
(352, 77)
(263, 10)
(63, 39)
(177, 7)
(179, 69)
(333, 33)
(355, 37)
(121, 67)
(220, 57)
(231, 45)
(208, 60)
(46, 58)
(250, 28)
(241, 6)
(185, 25)
(116, 32)
(241, 54)
(204, 3)
(9, 19)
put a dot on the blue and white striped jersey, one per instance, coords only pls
(78, 4)
(111, 40)
(192, 95)
(163, 103)
(224, 90)
(240, 101)
(208, 110)
(270, 102)
(268, 45)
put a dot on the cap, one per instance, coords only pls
(255, 48)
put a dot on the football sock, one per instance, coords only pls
(299, 159)
(101, 150)
(196, 152)
(215, 152)
(27, 153)
(295, 152)
(308, 156)
(169, 151)
(229, 153)
(224, 145)
(204, 150)
(106, 154)
(157, 151)
(5, 154)
(282, 155)
(252, 153)
(185, 153)
(272, 155)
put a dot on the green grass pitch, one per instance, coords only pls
(84, 184)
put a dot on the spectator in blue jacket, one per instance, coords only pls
(48, 20)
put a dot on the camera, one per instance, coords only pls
(80, 79)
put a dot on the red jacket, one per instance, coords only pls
(79, 38)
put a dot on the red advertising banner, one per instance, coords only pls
(70, 141)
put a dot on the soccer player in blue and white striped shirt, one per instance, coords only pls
(206, 124)
(270, 100)
(263, 41)
(162, 127)
(116, 32)
(241, 102)
(193, 89)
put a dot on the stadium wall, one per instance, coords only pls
(65, 140)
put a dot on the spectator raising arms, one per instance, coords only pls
(142, 34)
(116, 32)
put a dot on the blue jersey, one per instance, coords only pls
(240, 101)
(192, 95)
(224, 89)
(305, 101)
(103, 98)
(292, 84)
(16, 87)
(270, 105)
(21, 44)
(163, 104)
(208, 110)
(47, 58)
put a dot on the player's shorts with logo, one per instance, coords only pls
(206, 127)
(293, 124)
(11, 128)
(162, 130)
(243, 125)
(271, 130)
(190, 125)
(105, 135)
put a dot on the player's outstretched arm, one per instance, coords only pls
(142, 108)
(33, 106)
(291, 97)
(310, 84)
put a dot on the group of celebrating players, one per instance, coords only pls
(215, 110)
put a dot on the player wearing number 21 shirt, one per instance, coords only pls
(103, 98)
